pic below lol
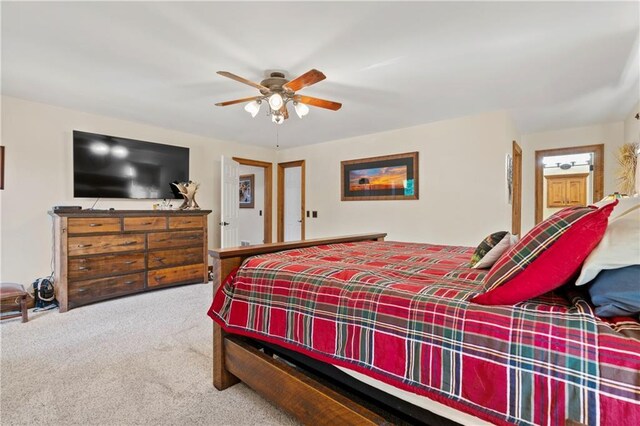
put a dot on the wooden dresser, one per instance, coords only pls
(104, 254)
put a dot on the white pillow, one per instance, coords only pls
(620, 245)
(494, 254)
(625, 205)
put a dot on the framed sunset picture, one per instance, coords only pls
(390, 177)
(246, 191)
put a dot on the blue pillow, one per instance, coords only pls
(616, 292)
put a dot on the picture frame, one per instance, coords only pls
(1, 167)
(246, 195)
(389, 177)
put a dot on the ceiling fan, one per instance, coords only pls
(276, 91)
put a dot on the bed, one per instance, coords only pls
(398, 314)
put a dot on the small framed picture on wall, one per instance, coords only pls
(1, 167)
(509, 178)
(246, 191)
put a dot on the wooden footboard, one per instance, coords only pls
(307, 399)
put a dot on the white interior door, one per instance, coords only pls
(230, 207)
(293, 203)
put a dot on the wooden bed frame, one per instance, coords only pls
(234, 360)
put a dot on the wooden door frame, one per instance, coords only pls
(281, 167)
(268, 193)
(598, 171)
(516, 191)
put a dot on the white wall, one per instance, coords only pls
(610, 134)
(632, 126)
(462, 182)
(251, 225)
(632, 135)
(38, 140)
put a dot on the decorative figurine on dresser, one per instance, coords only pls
(188, 191)
(105, 254)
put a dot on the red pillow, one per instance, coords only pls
(547, 257)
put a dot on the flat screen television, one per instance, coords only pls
(113, 167)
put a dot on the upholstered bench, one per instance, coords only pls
(16, 292)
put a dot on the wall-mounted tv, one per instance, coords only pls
(113, 167)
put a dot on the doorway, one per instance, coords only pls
(266, 193)
(568, 177)
(516, 203)
(291, 201)
(230, 203)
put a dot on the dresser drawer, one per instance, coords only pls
(177, 275)
(150, 223)
(90, 225)
(158, 240)
(83, 292)
(104, 244)
(110, 264)
(165, 258)
(186, 222)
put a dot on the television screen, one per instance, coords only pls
(112, 167)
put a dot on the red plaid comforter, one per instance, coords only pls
(399, 312)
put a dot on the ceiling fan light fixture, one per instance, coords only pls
(277, 92)
(275, 101)
(253, 108)
(301, 109)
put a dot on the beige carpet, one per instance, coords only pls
(143, 359)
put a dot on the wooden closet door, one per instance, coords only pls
(556, 193)
(577, 191)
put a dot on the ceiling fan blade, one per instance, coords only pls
(239, 101)
(307, 79)
(317, 102)
(242, 80)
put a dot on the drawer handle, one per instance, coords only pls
(84, 245)
(129, 243)
(160, 277)
(160, 259)
(83, 268)
(130, 262)
(148, 223)
(129, 282)
(93, 225)
(80, 290)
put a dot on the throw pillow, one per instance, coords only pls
(546, 257)
(616, 292)
(624, 206)
(619, 247)
(490, 249)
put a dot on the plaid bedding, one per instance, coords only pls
(399, 312)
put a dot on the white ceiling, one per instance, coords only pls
(392, 65)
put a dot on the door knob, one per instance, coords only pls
(224, 223)
(300, 221)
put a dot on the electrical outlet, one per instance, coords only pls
(308, 213)
(314, 213)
